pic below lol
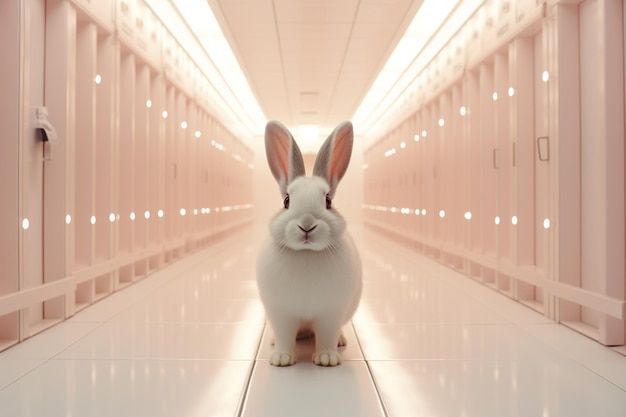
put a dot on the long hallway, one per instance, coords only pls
(191, 340)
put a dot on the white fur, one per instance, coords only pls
(308, 271)
(312, 283)
(307, 289)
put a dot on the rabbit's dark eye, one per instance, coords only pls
(329, 202)
(286, 202)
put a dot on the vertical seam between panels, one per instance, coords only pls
(383, 406)
(244, 395)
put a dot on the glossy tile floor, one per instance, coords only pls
(191, 340)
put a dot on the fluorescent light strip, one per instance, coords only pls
(193, 26)
(202, 22)
(388, 86)
(432, 27)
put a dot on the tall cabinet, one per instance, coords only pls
(141, 171)
(517, 160)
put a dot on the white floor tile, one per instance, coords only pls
(138, 340)
(22, 358)
(426, 307)
(204, 286)
(50, 342)
(495, 388)
(190, 308)
(306, 390)
(606, 362)
(446, 342)
(14, 369)
(128, 389)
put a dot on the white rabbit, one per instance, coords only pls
(309, 270)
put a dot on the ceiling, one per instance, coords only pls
(311, 62)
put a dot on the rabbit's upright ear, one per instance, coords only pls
(283, 154)
(334, 156)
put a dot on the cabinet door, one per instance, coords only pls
(540, 253)
(9, 164)
(489, 157)
(502, 161)
(22, 165)
(32, 160)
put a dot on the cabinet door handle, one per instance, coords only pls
(543, 148)
(495, 161)
(514, 154)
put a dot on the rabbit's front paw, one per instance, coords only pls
(282, 358)
(327, 358)
(342, 340)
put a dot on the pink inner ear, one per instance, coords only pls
(282, 154)
(342, 150)
(278, 153)
(278, 166)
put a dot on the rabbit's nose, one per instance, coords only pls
(307, 230)
(307, 223)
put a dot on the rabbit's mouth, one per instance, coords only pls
(307, 233)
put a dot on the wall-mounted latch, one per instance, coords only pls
(45, 131)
